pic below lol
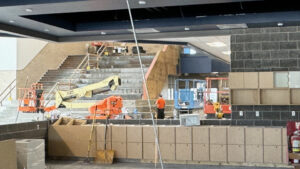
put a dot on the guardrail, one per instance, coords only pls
(7, 91)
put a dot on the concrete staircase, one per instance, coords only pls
(127, 67)
(142, 107)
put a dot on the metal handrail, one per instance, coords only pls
(10, 87)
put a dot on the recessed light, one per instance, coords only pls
(279, 24)
(186, 28)
(216, 44)
(226, 52)
(46, 30)
(232, 26)
(28, 10)
(103, 33)
(142, 2)
(193, 51)
(11, 21)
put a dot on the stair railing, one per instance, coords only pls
(7, 91)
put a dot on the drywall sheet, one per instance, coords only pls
(244, 96)
(251, 80)
(275, 97)
(266, 80)
(281, 79)
(294, 79)
(236, 80)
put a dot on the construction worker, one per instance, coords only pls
(160, 103)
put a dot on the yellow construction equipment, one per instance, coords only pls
(64, 99)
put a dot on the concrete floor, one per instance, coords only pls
(82, 165)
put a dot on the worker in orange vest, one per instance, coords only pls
(160, 103)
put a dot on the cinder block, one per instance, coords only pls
(254, 153)
(183, 135)
(100, 145)
(218, 153)
(236, 135)
(218, 135)
(272, 154)
(149, 151)
(148, 134)
(120, 149)
(166, 134)
(254, 136)
(284, 154)
(236, 153)
(167, 151)
(134, 134)
(272, 136)
(183, 151)
(200, 152)
(101, 131)
(134, 150)
(284, 137)
(119, 133)
(201, 135)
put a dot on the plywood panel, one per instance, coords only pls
(236, 135)
(134, 134)
(183, 134)
(218, 153)
(254, 153)
(236, 80)
(266, 80)
(251, 80)
(254, 135)
(295, 96)
(272, 136)
(244, 97)
(183, 151)
(134, 150)
(275, 96)
(8, 154)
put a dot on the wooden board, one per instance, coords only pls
(251, 80)
(295, 96)
(244, 97)
(266, 80)
(275, 97)
(236, 80)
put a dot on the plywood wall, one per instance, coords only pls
(163, 64)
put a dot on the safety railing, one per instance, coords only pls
(7, 91)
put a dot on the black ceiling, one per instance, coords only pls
(75, 20)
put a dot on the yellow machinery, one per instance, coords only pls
(64, 99)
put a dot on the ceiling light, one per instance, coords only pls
(279, 24)
(226, 52)
(142, 2)
(186, 28)
(216, 44)
(46, 30)
(11, 21)
(103, 33)
(232, 26)
(28, 10)
(192, 51)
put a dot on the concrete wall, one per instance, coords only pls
(50, 57)
(263, 146)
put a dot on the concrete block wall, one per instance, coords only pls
(30, 130)
(264, 146)
(265, 50)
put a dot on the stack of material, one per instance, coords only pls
(31, 153)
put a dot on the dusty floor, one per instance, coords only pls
(82, 165)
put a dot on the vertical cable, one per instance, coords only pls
(146, 87)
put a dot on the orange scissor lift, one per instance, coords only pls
(222, 105)
(31, 100)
